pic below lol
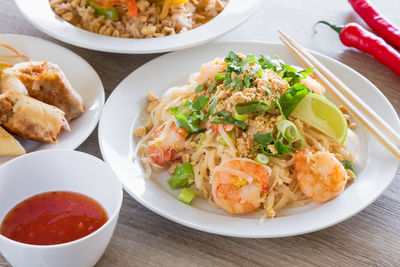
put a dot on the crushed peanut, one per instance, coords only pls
(152, 97)
(140, 131)
(151, 106)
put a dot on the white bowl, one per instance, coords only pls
(59, 170)
(41, 16)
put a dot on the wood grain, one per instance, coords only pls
(371, 238)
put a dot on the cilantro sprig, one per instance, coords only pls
(264, 140)
(236, 83)
(237, 64)
(192, 114)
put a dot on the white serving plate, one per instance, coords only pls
(375, 170)
(82, 77)
(40, 14)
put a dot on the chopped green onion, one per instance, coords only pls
(237, 116)
(199, 88)
(224, 117)
(253, 106)
(186, 196)
(290, 132)
(262, 159)
(183, 176)
(202, 137)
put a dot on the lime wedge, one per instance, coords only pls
(322, 114)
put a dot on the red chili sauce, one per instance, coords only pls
(53, 218)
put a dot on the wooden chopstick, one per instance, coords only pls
(344, 89)
(309, 61)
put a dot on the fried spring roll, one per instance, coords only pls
(10, 83)
(30, 118)
(46, 82)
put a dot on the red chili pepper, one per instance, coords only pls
(378, 23)
(354, 35)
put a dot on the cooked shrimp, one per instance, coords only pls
(165, 142)
(320, 175)
(312, 84)
(210, 69)
(238, 183)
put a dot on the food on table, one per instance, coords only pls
(36, 100)
(29, 118)
(9, 145)
(249, 134)
(378, 23)
(354, 35)
(53, 218)
(137, 18)
(46, 82)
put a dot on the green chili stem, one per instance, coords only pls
(336, 28)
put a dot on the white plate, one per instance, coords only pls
(120, 117)
(82, 77)
(40, 14)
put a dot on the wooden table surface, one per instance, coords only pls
(371, 237)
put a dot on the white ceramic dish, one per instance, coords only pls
(42, 16)
(82, 77)
(376, 168)
(59, 170)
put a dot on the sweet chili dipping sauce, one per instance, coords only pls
(53, 218)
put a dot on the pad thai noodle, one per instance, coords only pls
(234, 135)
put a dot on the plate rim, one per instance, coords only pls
(101, 96)
(144, 50)
(193, 225)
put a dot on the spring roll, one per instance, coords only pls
(9, 146)
(31, 119)
(46, 82)
(10, 83)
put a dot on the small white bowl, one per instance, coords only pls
(59, 170)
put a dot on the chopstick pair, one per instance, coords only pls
(345, 96)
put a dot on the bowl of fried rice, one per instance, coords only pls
(137, 26)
